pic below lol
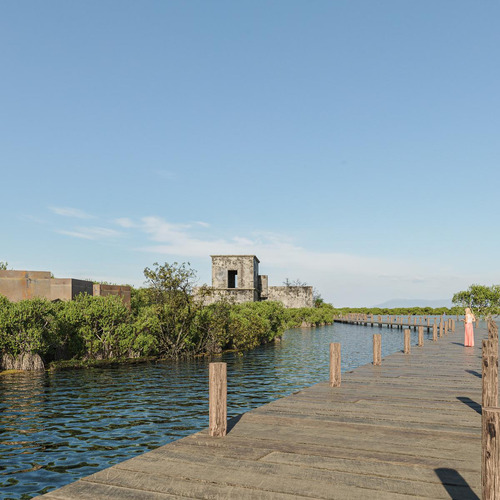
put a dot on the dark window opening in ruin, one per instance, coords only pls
(232, 279)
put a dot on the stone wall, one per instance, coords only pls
(246, 266)
(292, 296)
(250, 285)
(263, 286)
(235, 296)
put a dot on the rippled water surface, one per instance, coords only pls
(58, 427)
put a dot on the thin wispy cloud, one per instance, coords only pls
(344, 279)
(276, 250)
(71, 212)
(91, 233)
(125, 222)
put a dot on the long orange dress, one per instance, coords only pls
(469, 331)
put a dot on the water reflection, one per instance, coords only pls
(58, 427)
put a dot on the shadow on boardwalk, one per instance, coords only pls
(456, 486)
(470, 403)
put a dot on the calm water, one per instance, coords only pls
(56, 428)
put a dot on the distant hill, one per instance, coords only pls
(389, 304)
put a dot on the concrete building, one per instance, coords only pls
(21, 285)
(237, 277)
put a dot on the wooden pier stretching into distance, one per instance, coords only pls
(397, 321)
(409, 427)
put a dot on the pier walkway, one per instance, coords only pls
(408, 428)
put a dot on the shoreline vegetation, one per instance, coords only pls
(165, 321)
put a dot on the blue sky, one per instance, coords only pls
(351, 144)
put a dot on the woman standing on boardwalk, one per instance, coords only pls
(469, 329)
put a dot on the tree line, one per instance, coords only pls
(166, 320)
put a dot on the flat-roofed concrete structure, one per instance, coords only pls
(236, 277)
(122, 291)
(22, 285)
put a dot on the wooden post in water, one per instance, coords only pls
(217, 395)
(441, 328)
(453, 325)
(434, 332)
(490, 374)
(420, 336)
(380, 321)
(407, 342)
(335, 364)
(490, 447)
(377, 349)
(428, 321)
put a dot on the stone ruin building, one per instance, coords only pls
(20, 285)
(237, 277)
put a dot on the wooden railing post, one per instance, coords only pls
(490, 374)
(434, 332)
(420, 336)
(335, 361)
(490, 462)
(217, 395)
(441, 328)
(377, 349)
(407, 342)
(493, 334)
(428, 321)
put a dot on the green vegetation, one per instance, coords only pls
(483, 300)
(166, 320)
(402, 311)
(3, 265)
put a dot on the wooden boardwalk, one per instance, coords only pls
(408, 428)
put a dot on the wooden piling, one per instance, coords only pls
(420, 336)
(490, 447)
(335, 361)
(377, 349)
(407, 342)
(434, 332)
(441, 328)
(490, 374)
(217, 393)
(493, 334)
